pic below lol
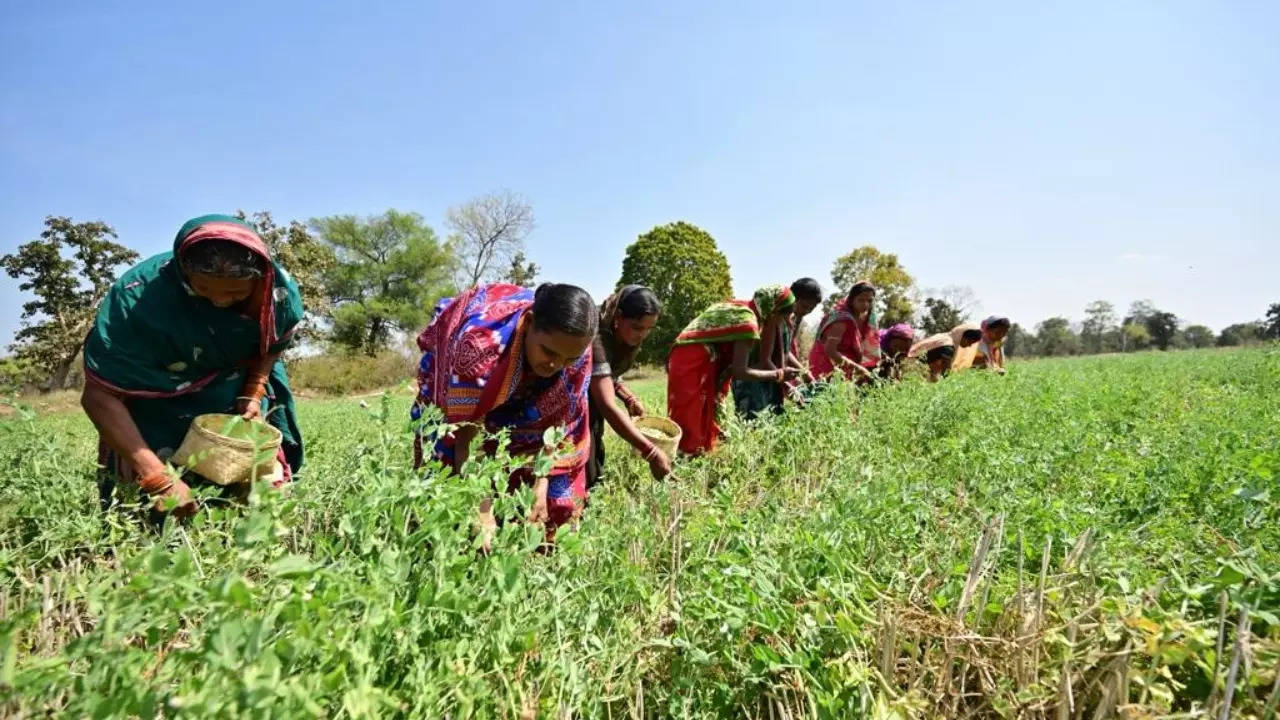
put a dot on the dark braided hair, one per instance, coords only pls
(565, 308)
(859, 288)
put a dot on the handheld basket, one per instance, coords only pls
(223, 448)
(661, 432)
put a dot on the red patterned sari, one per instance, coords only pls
(473, 369)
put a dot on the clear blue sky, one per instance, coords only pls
(1044, 154)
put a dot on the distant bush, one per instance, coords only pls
(342, 373)
(17, 374)
(24, 376)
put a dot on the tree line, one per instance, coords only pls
(1143, 327)
(367, 281)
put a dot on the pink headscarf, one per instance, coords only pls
(901, 330)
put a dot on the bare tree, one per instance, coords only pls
(960, 297)
(489, 231)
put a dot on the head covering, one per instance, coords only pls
(771, 298)
(958, 331)
(901, 330)
(932, 342)
(734, 320)
(987, 342)
(233, 229)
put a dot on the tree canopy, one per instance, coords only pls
(687, 272)
(1271, 326)
(522, 271)
(1163, 327)
(894, 286)
(1099, 320)
(68, 270)
(939, 316)
(389, 270)
(304, 255)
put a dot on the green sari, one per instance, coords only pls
(751, 398)
(172, 355)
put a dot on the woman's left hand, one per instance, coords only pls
(539, 513)
(635, 408)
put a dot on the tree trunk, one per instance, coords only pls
(58, 381)
(371, 345)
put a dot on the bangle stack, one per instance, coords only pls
(156, 482)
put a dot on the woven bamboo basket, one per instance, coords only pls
(661, 432)
(222, 448)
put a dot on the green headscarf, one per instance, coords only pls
(734, 320)
(771, 298)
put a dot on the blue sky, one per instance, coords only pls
(1045, 155)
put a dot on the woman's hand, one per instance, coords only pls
(635, 408)
(659, 464)
(486, 526)
(249, 408)
(539, 512)
(170, 493)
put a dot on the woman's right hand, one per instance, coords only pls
(170, 493)
(486, 527)
(790, 373)
(659, 464)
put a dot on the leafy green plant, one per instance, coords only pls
(1091, 535)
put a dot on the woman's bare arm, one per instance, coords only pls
(742, 370)
(117, 428)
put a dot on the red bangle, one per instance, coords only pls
(156, 482)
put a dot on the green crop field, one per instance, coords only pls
(1082, 538)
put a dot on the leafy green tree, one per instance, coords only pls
(687, 272)
(17, 374)
(1019, 342)
(1240, 334)
(939, 316)
(894, 286)
(1134, 336)
(1198, 336)
(69, 270)
(389, 270)
(1054, 337)
(1163, 327)
(304, 256)
(1099, 319)
(1272, 323)
(522, 272)
(1140, 310)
